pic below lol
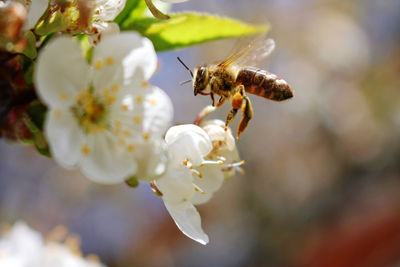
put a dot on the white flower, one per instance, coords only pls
(191, 178)
(105, 11)
(224, 147)
(22, 247)
(104, 116)
(35, 10)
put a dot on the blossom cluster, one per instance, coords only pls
(22, 246)
(105, 117)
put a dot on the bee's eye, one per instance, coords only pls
(201, 71)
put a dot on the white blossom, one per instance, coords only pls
(23, 247)
(105, 116)
(104, 12)
(191, 178)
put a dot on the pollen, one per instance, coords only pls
(139, 99)
(110, 60)
(146, 136)
(127, 132)
(121, 142)
(125, 107)
(110, 100)
(220, 162)
(98, 64)
(137, 119)
(145, 84)
(131, 148)
(153, 102)
(115, 88)
(85, 150)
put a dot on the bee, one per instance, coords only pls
(235, 76)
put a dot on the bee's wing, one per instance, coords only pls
(251, 54)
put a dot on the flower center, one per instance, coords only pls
(90, 112)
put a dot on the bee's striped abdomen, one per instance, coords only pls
(264, 84)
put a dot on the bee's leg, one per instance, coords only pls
(237, 101)
(213, 100)
(220, 101)
(247, 113)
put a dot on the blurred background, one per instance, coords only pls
(322, 182)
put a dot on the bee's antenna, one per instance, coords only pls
(185, 82)
(191, 72)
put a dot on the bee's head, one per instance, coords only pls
(200, 80)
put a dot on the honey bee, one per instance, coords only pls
(234, 76)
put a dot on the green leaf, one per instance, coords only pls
(186, 29)
(55, 22)
(30, 49)
(133, 9)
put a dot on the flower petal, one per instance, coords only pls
(106, 161)
(36, 9)
(211, 182)
(187, 141)
(188, 220)
(61, 72)
(64, 136)
(148, 111)
(176, 186)
(100, 30)
(108, 9)
(118, 58)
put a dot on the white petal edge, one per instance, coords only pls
(188, 141)
(188, 220)
(61, 72)
(129, 52)
(109, 9)
(64, 136)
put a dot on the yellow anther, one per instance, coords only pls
(201, 165)
(131, 148)
(63, 96)
(137, 119)
(98, 64)
(200, 175)
(110, 60)
(191, 167)
(203, 193)
(110, 99)
(121, 142)
(146, 136)
(220, 162)
(85, 150)
(139, 99)
(196, 189)
(153, 102)
(127, 132)
(106, 92)
(242, 162)
(145, 84)
(115, 88)
(125, 107)
(118, 123)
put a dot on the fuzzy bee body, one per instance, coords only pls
(263, 83)
(230, 80)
